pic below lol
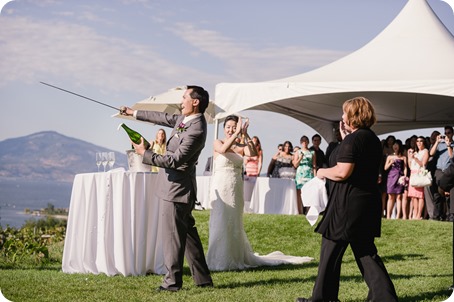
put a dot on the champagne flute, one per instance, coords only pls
(104, 160)
(98, 159)
(111, 159)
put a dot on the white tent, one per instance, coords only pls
(407, 72)
(168, 102)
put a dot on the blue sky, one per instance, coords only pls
(122, 51)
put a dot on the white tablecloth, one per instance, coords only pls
(113, 219)
(262, 195)
(203, 191)
(113, 225)
(274, 196)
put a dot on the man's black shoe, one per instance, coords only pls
(168, 289)
(206, 285)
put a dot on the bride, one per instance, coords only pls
(228, 246)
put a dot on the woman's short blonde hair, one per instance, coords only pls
(360, 112)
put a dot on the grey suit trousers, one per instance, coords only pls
(178, 230)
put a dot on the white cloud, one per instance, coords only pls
(244, 61)
(32, 49)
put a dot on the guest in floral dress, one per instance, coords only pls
(305, 163)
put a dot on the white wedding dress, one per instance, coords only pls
(228, 246)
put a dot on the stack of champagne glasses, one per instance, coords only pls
(104, 159)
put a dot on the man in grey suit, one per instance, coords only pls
(178, 188)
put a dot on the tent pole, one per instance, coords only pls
(216, 135)
(452, 286)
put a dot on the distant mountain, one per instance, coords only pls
(49, 155)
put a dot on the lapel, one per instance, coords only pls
(175, 131)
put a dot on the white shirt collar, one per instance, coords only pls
(191, 117)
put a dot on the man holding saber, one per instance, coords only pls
(178, 189)
(177, 183)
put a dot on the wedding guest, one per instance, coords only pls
(446, 184)
(331, 151)
(442, 148)
(413, 144)
(396, 165)
(304, 161)
(407, 210)
(333, 145)
(320, 155)
(388, 145)
(177, 183)
(428, 141)
(229, 247)
(283, 167)
(208, 166)
(383, 176)
(159, 146)
(410, 143)
(253, 164)
(431, 167)
(273, 162)
(417, 159)
(353, 214)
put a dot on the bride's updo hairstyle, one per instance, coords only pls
(231, 118)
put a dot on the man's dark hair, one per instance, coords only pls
(316, 135)
(200, 94)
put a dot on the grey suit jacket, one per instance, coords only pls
(177, 181)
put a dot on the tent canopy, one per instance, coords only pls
(168, 102)
(407, 72)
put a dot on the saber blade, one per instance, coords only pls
(84, 97)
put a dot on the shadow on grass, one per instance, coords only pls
(427, 296)
(265, 282)
(423, 296)
(21, 266)
(282, 267)
(403, 257)
(356, 278)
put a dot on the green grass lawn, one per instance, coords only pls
(417, 254)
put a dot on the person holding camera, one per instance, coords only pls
(443, 150)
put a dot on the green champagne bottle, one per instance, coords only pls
(135, 136)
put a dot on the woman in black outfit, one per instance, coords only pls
(353, 215)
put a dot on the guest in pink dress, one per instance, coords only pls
(253, 164)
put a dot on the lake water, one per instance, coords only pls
(18, 195)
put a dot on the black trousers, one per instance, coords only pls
(439, 198)
(373, 270)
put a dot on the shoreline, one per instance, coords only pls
(43, 215)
